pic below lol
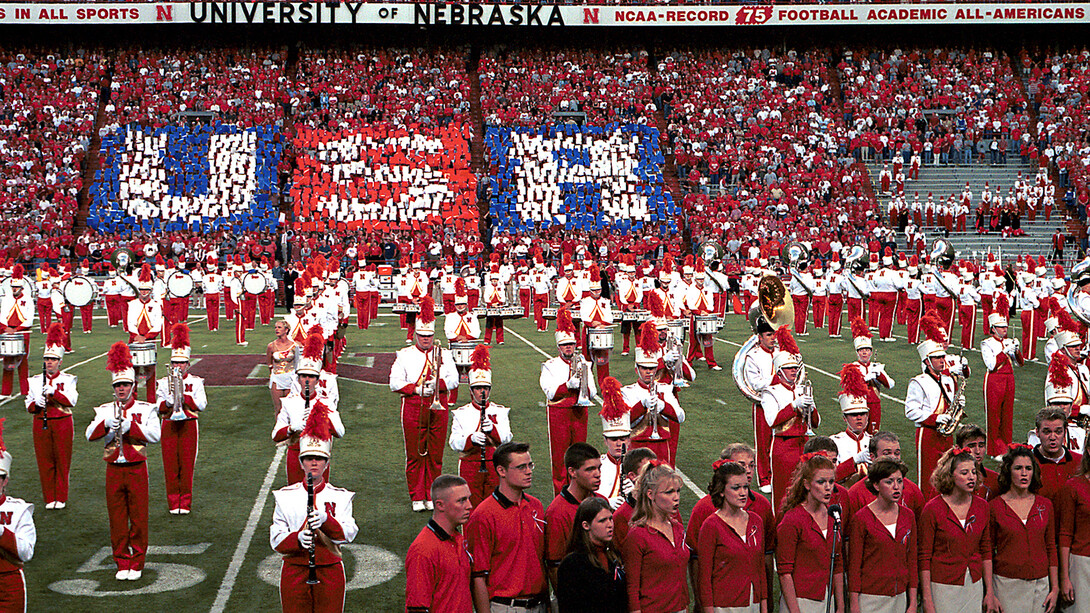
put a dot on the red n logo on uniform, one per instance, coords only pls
(331, 508)
(5, 517)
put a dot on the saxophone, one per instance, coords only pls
(957, 409)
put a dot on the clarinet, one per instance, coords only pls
(45, 409)
(484, 446)
(312, 571)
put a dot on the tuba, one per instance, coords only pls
(856, 260)
(775, 308)
(795, 256)
(123, 259)
(942, 253)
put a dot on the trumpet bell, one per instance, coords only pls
(123, 259)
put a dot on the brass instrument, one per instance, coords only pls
(312, 570)
(177, 393)
(581, 367)
(807, 390)
(114, 439)
(653, 419)
(957, 409)
(942, 253)
(431, 386)
(856, 260)
(653, 414)
(776, 309)
(796, 257)
(677, 368)
(45, 409)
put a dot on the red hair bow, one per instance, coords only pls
(806, 457)
(716, 465)
(1013, 446)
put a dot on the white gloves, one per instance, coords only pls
(294, 425)
(671, 357)
(863, 457)
(680, 415)
(306, 539)
(427, 389)
(316, 519)
(41, 402)
(616, 502)
(651, 402)
(627, 486)
(110, 422)
(49, 390)
(1084, 409)
(486, 424)
(573, 383)
(802, 402)
(477, 438)
(125, 425)
(943, 419)
(870, 376)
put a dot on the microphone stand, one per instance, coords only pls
(835, 511)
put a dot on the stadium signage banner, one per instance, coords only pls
(474, 14)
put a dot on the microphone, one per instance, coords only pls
(835, 511)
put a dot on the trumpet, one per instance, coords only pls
(430, 387)
(114, 440)
(177, 393)
(581, 368)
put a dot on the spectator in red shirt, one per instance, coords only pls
(655, 554)
(437, 565)
(1024, 534)
(1055, 458)
(807, 538)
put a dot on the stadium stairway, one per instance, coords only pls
(669, 170)
(91, 160)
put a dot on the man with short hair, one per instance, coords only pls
(973, 438)
(50, 399)
(478, 427)
(757, 374)
(506, 537)
(437, 566)
(179, 428)
(885, 444)
(929, 403)
(584, 467)
(1058, 462)
(561, 380)
(1000, 354)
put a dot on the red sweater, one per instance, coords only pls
(1074, 516)
(1023, 551)
(656, 569)
(803, 552)
(911, 498)
(947, 549)
(732, 570)
(704, 508)
(621, 517)
(878, 563)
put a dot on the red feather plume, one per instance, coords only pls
(1059, 370)
(595, 274)
(300, 286)
(932, 328)
(55, 335)
(1058, 271)
(649, 337)
(668, 264)
(18, 272)
(688, 262)
(654, 304)
(314, 347)
(145, 273)
(427, 310)
(851, 381)
(460, 286)
(318, 426)
(1003, 305)
(859, 328)
(179, 335)
(786, 340)
(1065, 321)
(613, 405)
(699, 265)
(480, 360)
(564, 322)
(119, 358)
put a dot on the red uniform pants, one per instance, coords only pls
(902, 298)
(65, 317)
(912, 320)
(819, 311)
(697, 348)
(967, 319)
(567, 425)
(802, 303)
(85, 316)
(886, 303)
(999, 407)
(944, 309)
(230, 307)
(421, 470)
(363, 310)
(762, 443)
(855, 309)
(53, 450)
(661, 447)
(169, 319)
(481, 484)
(212, 307)
(113, 309)
(327, 596)
(13, 591)
(8, 379)
(1041, 314)
(786, 452)
(874, 406)
(986, 306)
(834, 307)
(930, 445)
(375, 299)
(45, 313)
(526, 299)
(540, 302)
(127, 504)
(266, 301)
(179, 445)
(872, 310)
(1029, 335)
(490, 324)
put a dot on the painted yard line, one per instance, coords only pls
(243, 546)
(684, 478)
(720, 401)
(818, 370)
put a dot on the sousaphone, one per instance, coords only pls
(774, 308)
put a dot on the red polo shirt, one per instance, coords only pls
(803, 552)
(1023, 551)
(559, 518)
(507, 542)
(437, 571)
(879, 563)
(732, 570)
(947, 549)
(1055, 473)
(656, 569)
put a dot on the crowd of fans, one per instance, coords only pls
(1062, 125)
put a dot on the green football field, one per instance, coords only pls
(219, 559)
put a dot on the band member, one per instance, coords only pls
(44, 288)
(212, 285)
(946, 287)
(629, 296)
(882, 560)
(18, 536)
(1023, 530)
(297, 406)
(17, 317)
(247, 305)
(62, 309)
(803, 553)
(540, 280)
(700, 300)
(999, 354)
(363, 283)
(596, 313)
(567, 291)
(584, 468)
(144, 323)
(1028, 304)
(874, 373)
(461, 324)
(929, 401)
(426, 378)
(616, 432)
(655, 554)
(281, 355)
(50, 399)
(968, 298)
(568, 388)
(731, 547)
(789, 410)
(509, 564)
(181, 398)
(438, 565)
(494, 298)
(856, 289)
(757, 373)
(266, 300)
(652, 404)
(913, 300)
(802, 290)
(478, 427)
(853, 444)
(955, 545)
(312, 519)
(1066, 372)
(316, 349)
(834, 302)
(128, 426)
(111, 297)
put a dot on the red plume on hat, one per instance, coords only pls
(427, 310)
(318, 426)
(860, 329)
(932, 328)
(1059, 373)
(118, 358)
(1065, 321)
(595, 274)
(179, 335)
(851, 381)
(55, 335)
(314, 348)
(565, 260)
(688, 262)
(699, 265)
(300, 286)
(17, 272)
(649, 338)
(613, 405)
(563, 321)
(145, 274)
(480, 360)
(1003, 305)
(460, 287)
(668, 264)
(786, 340)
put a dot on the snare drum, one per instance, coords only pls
(405, 307)
(636, 316)
(180, 284)
(78, 291)
(12, 345)
(549, 312)
(462, 353)
(143, 354)
(600, 339)
(480, 312)
(706, 324)
(512, 311)
(254, 283)
(676, 329)
(494, 312)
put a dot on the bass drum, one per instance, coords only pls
(79, 291)
(180, 284)
(254, 283)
